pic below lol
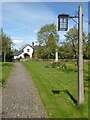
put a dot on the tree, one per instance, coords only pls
(72, 40)
(86, 46)
(65, 52)
(45, 31)
(6, 45)
(48, 38)
(51, 46)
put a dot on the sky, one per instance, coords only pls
(22, 20)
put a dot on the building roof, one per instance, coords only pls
(20, 51)
(26, 46)
(17, 53)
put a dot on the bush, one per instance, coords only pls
(57, 65)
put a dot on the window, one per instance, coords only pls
(28, 50)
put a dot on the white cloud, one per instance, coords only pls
(17, 41)
(22, 20)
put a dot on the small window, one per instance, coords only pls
(28, 50)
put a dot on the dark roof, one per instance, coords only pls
(26, 46)
(18, 52)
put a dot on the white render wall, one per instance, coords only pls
(21, 55)
(15, 57)
(31, 51)
(25, 51)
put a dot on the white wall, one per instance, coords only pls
(30, 52)
(25, 51)
(15, 57)
(21, 55)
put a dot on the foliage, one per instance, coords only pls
(72, 40)
(7, 53)
(69, 48)
(45, 31)
(86, 46)
(51, 46)
(40, 52)
(47, 79)
(47, 38)
(6, 68)
(57, 65)
(65, 52)
(0, 72)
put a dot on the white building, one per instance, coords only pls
(27, 49)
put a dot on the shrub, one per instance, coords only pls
(57, 65)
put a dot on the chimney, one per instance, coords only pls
(32, 44)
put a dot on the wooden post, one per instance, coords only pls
(80, 60)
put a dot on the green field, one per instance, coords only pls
(6, 68)
(0, 73)
(64, 79)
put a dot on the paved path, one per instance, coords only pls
(0, 102)
(20, 98)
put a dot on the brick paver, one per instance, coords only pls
(20, 98)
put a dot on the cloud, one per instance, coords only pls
(22, 20)
(17, 41)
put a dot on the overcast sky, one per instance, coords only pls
(22, 20)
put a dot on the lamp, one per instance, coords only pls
(63, 22)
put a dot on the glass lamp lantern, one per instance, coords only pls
(63, 22)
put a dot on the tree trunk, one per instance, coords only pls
(4, 57)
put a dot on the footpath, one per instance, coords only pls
(20, 98)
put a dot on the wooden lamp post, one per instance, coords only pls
(63, 26)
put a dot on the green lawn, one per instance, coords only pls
(6, 68)
(0, 73)
(46, 79)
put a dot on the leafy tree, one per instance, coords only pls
(86, 46)
(48, 38)
(40, 52)
(51, 46)
(72, 41)
(65, 52)
(6, 45)
(45, 31)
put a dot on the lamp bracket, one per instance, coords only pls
(73, 17)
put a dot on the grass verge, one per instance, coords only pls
(62, 105)
(6, 68)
